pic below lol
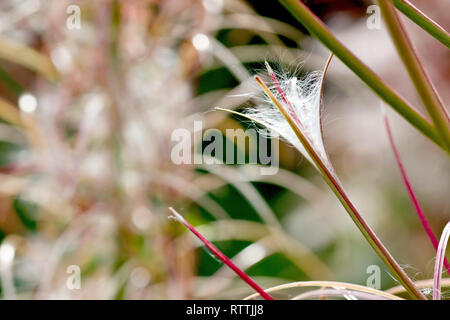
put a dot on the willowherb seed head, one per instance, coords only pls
(301, 99)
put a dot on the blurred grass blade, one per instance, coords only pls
(415, 202)
(219, 254)
(440, 256)
(27, 57)
(10, 113)
(427, 24)
(319, 30)
(417, 73)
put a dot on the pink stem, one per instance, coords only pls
(411, 193)
(221, 256)
(282, 94)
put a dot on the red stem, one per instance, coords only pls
(219, 254)
(411, 193)
(282, 94)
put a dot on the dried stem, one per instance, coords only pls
(411, 193)
(328, 284)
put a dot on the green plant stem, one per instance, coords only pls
(419, 77)
(337, 188)
(318, 29)
(10, 113)
(427, 24)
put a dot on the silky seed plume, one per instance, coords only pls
(300, 98)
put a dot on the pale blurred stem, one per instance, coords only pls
(419, 76)
(319, 30)
(427, 24)
(337, 188)
(440, 256)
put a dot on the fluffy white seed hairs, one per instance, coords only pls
(301, 99)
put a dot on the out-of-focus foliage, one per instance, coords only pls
(85, 160)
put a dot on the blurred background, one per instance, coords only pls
(91, 92)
